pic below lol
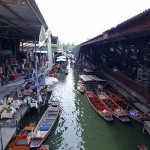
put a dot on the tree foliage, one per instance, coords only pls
(54, 47)
(68, 46)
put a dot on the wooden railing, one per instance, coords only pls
(140, 89)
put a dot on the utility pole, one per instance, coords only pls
(50, 60)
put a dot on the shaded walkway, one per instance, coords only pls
(10, 87)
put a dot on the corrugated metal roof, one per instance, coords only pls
(130, 21)
(138, 25)
(20, 19)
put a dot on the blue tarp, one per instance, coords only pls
(44, 128)
(133, 112)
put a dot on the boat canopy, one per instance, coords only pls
(94, 77)
(88, 70)
(86, 78)
(91, 78)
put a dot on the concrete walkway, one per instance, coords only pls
(7, 132)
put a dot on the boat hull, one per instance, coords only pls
(43, 147)
(142, 147)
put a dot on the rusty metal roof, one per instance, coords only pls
(20, 19)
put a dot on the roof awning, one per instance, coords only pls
(86, 78)
(20, 19)
(96, 78)
(88, 70)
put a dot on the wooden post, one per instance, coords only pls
(22, 45)
(15, 48)
(1, 141)
(38, 109)
(144, 128)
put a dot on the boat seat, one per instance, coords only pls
(51, 115)
(49, 118)
(55, 112)
(46, 124)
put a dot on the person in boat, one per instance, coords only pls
(100, 88)
(80, 82)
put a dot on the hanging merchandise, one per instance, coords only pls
(1, 70)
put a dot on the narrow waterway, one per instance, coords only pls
(80, 128)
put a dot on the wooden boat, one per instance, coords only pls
(80, 87)
(99, 106)
(130, 110)
(142, 147)
(23, 140)
(43, 147)
(45, 125)
(116, 110)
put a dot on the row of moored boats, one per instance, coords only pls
(107, 101)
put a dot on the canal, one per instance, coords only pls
(80, 128)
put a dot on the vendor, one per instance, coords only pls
(100, 87)
(10, 99)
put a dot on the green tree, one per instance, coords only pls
(67, 47)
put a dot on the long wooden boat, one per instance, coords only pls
(142, 147)
(45, 125)
(43, 147)
(99, 106)
(23, 140)
(116, 110)
(129, 109)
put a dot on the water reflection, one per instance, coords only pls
(69, 131)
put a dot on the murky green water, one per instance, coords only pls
(80, 128)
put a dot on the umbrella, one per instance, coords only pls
(48, 81)
(133, 112)
(61, 57)
(52, 79)
(44, 81)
